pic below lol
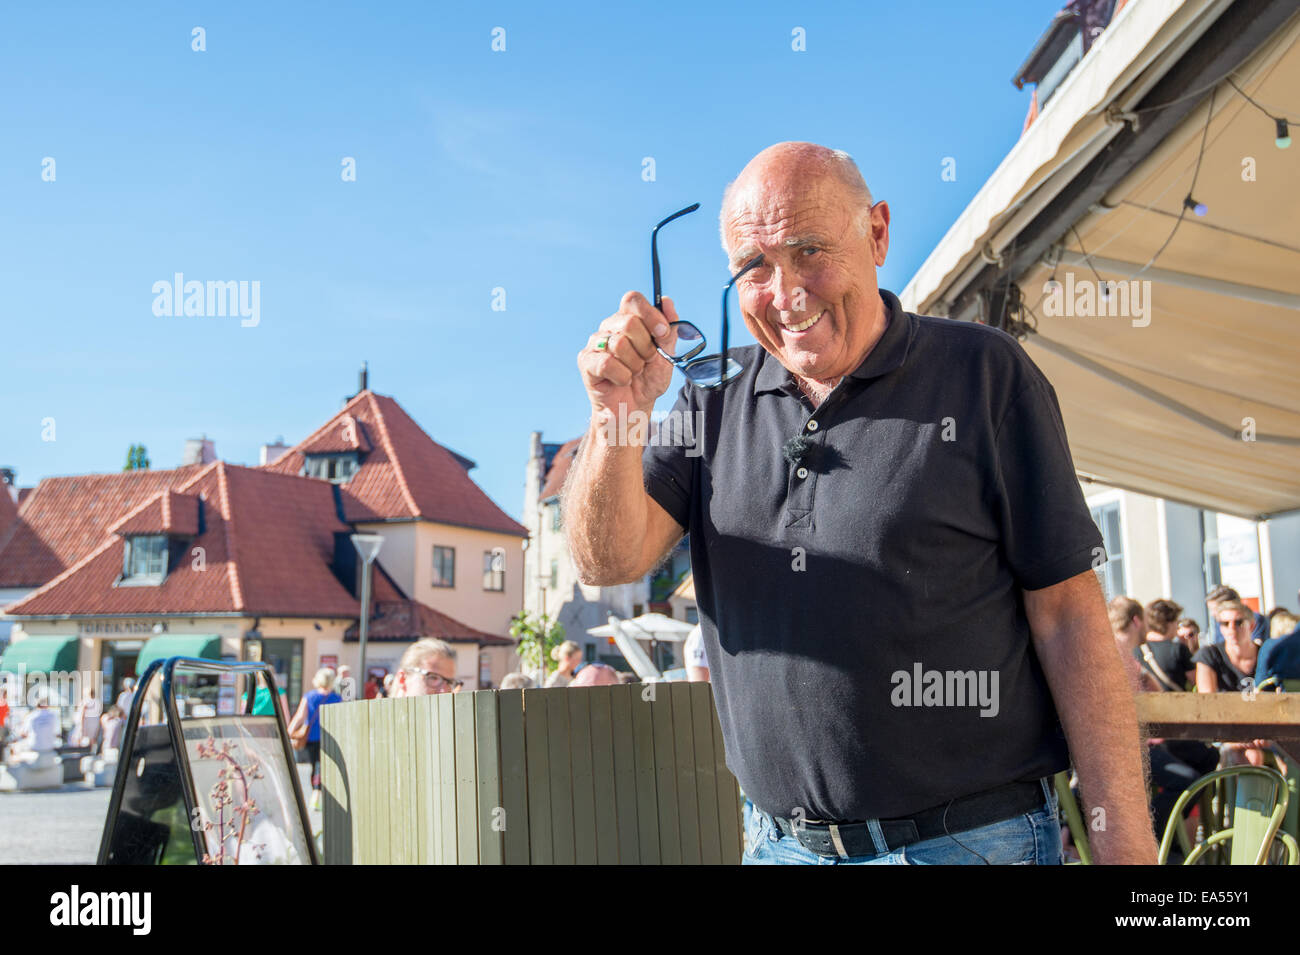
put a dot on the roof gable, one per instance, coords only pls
(65, 518)
(558, 469)
(266, 548)
(404, 474)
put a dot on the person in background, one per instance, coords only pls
(1168, 666)
(1216, 597)
(569, 655)
(4, 717)
(1281, 622)
(40, 728)
(427, 667)
(343, 683)
(1273, 629)
(595, 674)
(697, 664)
(89, 711)
(388, 684)
(111, 725)
(1230, 667)
(1128, 625)
(1166, 659)
(518, 681)
(1279, 657)
(1189, 632)
(127, 695)
(372, 687)
(263, 705)
(309, 714)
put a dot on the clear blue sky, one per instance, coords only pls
(475, 169)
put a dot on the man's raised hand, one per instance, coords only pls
(627, 374)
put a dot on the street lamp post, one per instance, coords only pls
(367, 546)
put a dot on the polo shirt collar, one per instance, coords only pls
(888, 354)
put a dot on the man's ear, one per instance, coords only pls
(880, 231)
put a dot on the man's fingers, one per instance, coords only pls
(620, 346)
(635, 334)
(670, 310)
(634, 303)
(609, 368)
(601, 364)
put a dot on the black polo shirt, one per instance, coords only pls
(936, 485)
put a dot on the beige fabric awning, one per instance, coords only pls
(1198, 399)
(1194, 394)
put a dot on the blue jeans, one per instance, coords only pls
(1032, 838)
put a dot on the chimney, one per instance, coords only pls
(7, 476)
(364, 378)
(198, 451)
(270, 452)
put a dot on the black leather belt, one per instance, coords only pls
(847, 839)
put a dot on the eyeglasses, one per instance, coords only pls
(711, 371)
(436, 680)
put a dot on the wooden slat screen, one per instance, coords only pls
(630, 774)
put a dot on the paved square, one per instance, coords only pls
(64, 826)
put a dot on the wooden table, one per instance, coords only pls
(1227, 717)
(1230, 717)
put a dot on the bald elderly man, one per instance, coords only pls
(893, 559)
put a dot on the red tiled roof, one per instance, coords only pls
(65, 518)
(559, 469)
(343, 433)
(267, 548)
(399, 620)
(8, 510)
(406, 474)
(170, 513)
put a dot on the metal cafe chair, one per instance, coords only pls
(1259, 808)
(1073, 817)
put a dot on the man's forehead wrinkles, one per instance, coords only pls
(786, 230)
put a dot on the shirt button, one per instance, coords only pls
(802, 473)
(812, 425)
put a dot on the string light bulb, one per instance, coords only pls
(1199, 208)
(1283, 139)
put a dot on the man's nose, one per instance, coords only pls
(787, 293)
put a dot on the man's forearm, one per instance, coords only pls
(605, 508)
(1100, 721)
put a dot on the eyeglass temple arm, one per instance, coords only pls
(726, 290)
(654, 250)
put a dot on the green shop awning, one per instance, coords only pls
(45, 654)
(204, 645)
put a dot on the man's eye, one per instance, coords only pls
(809, 249)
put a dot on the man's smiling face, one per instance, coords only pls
(814, 303)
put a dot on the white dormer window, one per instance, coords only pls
(337, 468)
(146, 559)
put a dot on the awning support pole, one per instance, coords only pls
(1163, 400)
(1200, 283)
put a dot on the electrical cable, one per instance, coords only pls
(1247, 98)
(1205, 133)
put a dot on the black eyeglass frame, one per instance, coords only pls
(728, 368)
(452, 682)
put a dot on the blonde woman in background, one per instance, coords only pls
(569, 655)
